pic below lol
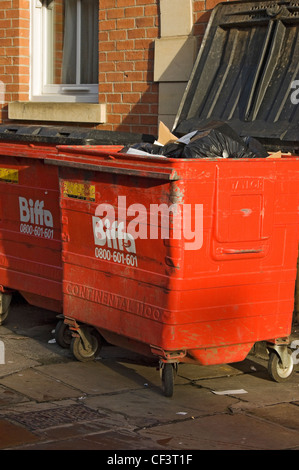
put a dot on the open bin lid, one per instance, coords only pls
(68, 135)
(244, 72)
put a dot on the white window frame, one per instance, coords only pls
(40, 90)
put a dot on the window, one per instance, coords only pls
(64, 50)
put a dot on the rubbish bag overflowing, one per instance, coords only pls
(216, 140)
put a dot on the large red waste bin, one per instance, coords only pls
(30, 225)
(30, 246)
(210, 304)
(204, 300)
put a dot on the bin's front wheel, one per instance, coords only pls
(168, 379)
(63, 335)
(276, 370)
(86, 350)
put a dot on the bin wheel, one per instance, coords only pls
(63, 335)
(168, 379)
(82, 353)
(276, 371)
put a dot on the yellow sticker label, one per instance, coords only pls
(84, 191)
(9, 175)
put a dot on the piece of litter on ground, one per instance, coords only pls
(252, 368)
(52, 341)
(230, 392)
(182, 413)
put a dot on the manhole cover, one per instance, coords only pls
(43, 419)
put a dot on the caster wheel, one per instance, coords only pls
(88, 352)
(63, 335)
(276, 371)
(168, 379)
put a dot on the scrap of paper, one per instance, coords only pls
(230, 392)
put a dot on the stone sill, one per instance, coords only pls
(59, 112)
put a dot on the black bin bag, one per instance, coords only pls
(219, 140)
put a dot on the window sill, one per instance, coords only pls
(58, 112)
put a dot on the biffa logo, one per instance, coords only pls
(112, 235)
(34, 212)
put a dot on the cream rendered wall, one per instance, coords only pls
(175, 53)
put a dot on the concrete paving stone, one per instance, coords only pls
(187, 402)
(118, 440)
(32, 349)
(15, 361)
(260, 389)
(39, 387)
(197, 372)
(224, 432)
(10, 397)
(12, 435)
(99, 376)
(114, 440)
(284, 414)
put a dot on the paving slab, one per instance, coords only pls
(284, 414)
(40, 352)
(102, 441)
(95, 377)
(224, 432)
(38, 386)
(143, 408)
(10, 397)
(260, 390)
(14, 359)
(195, 372)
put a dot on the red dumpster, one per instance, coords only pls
(210, 298)
(30, 226)
(30, 247)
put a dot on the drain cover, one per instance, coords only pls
(43, 419)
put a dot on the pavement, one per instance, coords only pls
(50, 401)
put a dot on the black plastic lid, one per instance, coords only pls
(69, 135)
(247, 64)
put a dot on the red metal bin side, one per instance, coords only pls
(30, 229)
(208, 305)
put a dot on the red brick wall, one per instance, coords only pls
(127, 31)
(14, 51)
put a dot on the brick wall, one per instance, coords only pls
(127, 33)
(128, 29)
(14, 52)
